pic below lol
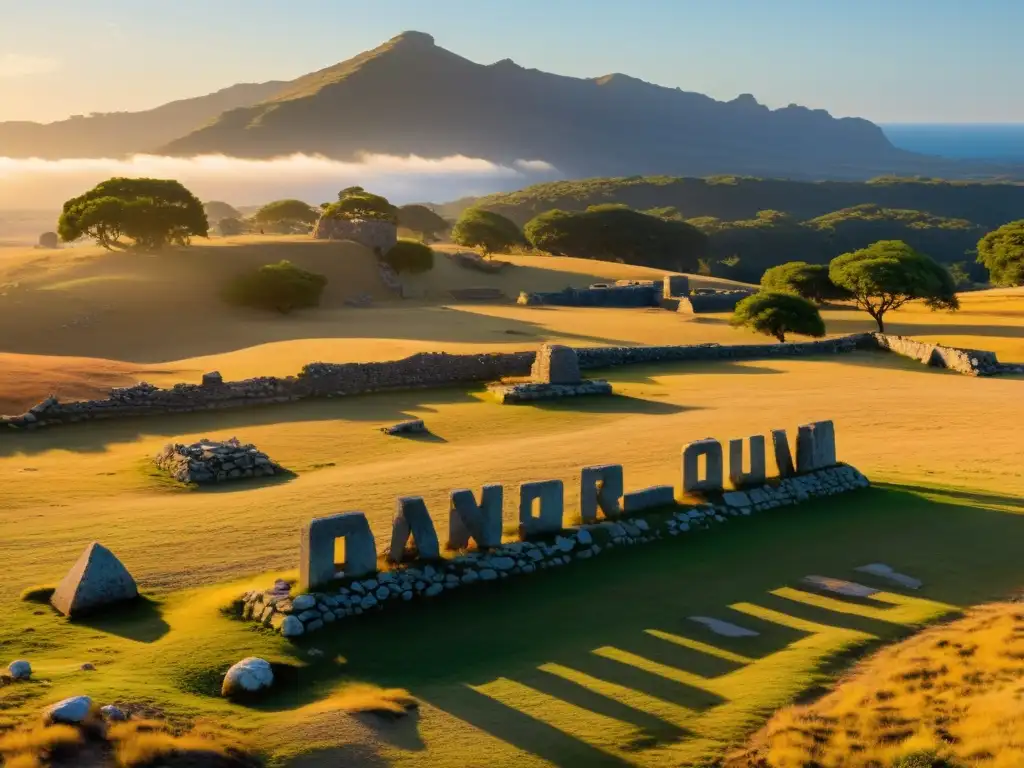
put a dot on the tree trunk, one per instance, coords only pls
(881, 325)
(781, 336)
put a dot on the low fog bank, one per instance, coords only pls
(43, 185)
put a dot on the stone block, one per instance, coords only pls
(601, 488)
(757, 473)
(550, 498)
(468, 519)
(316, 564)
(783, 455)
(675, 285)
(556, 364)
(711, 450)
(212, 379)
(649, 498)
(96, 580)
(412, 520)
(815, 446)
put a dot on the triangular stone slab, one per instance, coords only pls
(97, 579)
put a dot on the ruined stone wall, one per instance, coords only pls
(719, 301)
(971, 362)
(441, 369)
(373, 233)
(627, 296)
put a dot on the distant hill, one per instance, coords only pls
(409, 96)
(117, 134)
(754, 223)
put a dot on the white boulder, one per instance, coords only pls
(248, 676)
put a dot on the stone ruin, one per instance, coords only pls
(376, 234)
(555, 373)
(609, 515)
(211, 461)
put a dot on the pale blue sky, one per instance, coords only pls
(887, 60)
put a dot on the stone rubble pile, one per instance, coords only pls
(296, 615)
(211, 461)
(555, 373)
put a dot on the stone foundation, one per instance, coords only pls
(295, 615)
(210, 461)
(376, 234)
(529, 391)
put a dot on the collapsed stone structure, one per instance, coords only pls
(376, 234)
(671, 292)
(555, 373)
(441, 369)
(328, 592)
(211, 461)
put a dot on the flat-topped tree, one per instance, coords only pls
(419, 218)
(152, 212)
(357, 203)
(287, 212)
(776, 314)
(489, 231)
(888, 274)
(811, 281)
(1001, 252)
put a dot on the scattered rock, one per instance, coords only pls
(87, 667)
(248, 676)
(69, 711)
(411, 427)
(19, 670)
(96, 580)
(886, 572)
(840, 587)
(113, 714)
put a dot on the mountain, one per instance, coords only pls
(410, 96)
(118, 134)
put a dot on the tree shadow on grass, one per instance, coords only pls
(140, 620)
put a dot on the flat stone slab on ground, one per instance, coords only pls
(724, 628)
(886, 572)
(411, 427)
(529, 391)
(840, 586)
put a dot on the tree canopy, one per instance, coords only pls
(419, 218)
(811, 281)
(230, 227)
(887, 274)
(611, 233)
(1002, 253)
(287, 211)
(490, 232)
(357, 203)
(152, 212)
(217, 210)
(776, 314)
(410, 256)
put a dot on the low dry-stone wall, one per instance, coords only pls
(210, 461)
(441, 369)
(299, 614)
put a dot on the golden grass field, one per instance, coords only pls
(525, 679)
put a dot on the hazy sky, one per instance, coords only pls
(887, 60)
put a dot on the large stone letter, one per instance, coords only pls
(481, 522)
(601, 487)
(316, 566)
(756, 475)
(412, 519)
(550, 495)
(815, 446)
(712, 450)
(783, 455)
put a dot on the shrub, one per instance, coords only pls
(286, 212)
(810, 281)
(486, 230)
(229, 227)
(410, 256)
(48, 240)
(776, 314)
(282, 287)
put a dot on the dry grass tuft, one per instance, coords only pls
(30, 747)
(369, 699)
(950, 696)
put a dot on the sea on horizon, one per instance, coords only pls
(975, 141)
